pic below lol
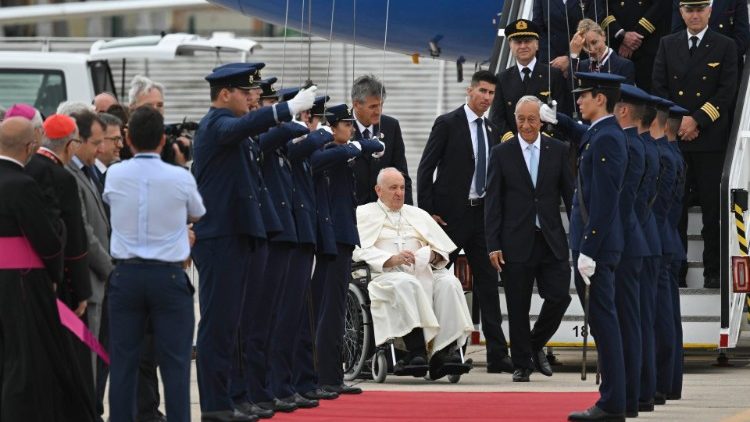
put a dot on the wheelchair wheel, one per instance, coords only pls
(454, 379)
(356, 345)
(379, 366)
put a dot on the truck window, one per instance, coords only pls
(101, 76)
(44, 89)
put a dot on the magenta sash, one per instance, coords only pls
(16, 253)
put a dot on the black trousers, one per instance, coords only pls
(702, 186)
(40, 377)
(553, 282)
(468, 234)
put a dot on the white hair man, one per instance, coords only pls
(412, 295)
(73, 107)
(144, 91)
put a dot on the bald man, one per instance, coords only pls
(104, 101)
(38, 359)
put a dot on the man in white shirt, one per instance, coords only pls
(151, 203)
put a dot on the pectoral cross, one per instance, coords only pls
(400, 243)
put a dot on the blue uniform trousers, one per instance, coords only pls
(329, 337)
(288, 324)
(664, 328)
(224, 267)
(605, 328)
(678, 353)
(627, 300)
(257, 322)
(649, 278)
(305, 362)
(163, 293)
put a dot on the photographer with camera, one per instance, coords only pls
(149, 282)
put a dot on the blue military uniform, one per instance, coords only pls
(335, 179)
(231, 236)
(596, 230)
(650, 271)
(627, 292)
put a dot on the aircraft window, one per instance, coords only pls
(44, 89)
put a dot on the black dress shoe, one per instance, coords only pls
(342, 389)
(320, 394)
(233, 415)
(674, 396)
(300, 401)
(541, 364)
(414, 365)
(521, 375)
(645, 406)
(711, 282)
(278, 406)
(253, 409)
(499, 366)
(593, 413)
(660, 398)
(631, 413)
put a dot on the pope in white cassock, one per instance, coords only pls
(413, 296)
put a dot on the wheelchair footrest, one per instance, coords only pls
(411, 370)
(450, 369)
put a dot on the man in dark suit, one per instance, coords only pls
(697, 70)
(557, 20)
(368, 95)
(458, 147)
(525, 235)
(634, 30)
(596, 234)
(729, 18)
(527, 77)
(592, 39)
(231, 237)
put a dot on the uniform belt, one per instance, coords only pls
(141, 261)
(475, 202)
(18, 254)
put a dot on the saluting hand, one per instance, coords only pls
(576, 43)
(497, 261)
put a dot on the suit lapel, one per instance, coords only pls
(463, 122)
(543, 160)
(88, 184)
(683, 53)
(703, 49)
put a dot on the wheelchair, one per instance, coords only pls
(361, 358)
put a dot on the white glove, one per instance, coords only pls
(587, 267)
(300, 139)
(326, 128)
(302, 101)
(357, 144)
(549, 114)
(381, 153)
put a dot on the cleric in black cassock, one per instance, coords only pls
(37, 380)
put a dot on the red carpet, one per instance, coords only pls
(444, 406)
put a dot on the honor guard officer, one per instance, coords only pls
(331, 276)
(649, 275)
(697, 69)
(596, 234)
(629, 112)
(634, 29)
(268, 95)
(527, 77)
(676, 113)
(231, 236)
(253, 99)
(664, 329)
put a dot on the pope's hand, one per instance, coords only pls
(303, 100)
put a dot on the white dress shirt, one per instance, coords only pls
(362, 127)
(525, 150)
(471, 117)
(700, 36)
(150, 203)
(531, 66)
(599, 120)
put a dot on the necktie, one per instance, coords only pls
(89, 172)
(594, 66)
(366, 134)
(533, 170)
(526, 75)
(480, 175)
(693, 44)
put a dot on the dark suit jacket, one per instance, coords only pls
(728, 17)
(366, 168)
(513, 202)
(704, 83)
(510, 89)
(615, 64)
(449, 150)
(560, 30)
(61, 194)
